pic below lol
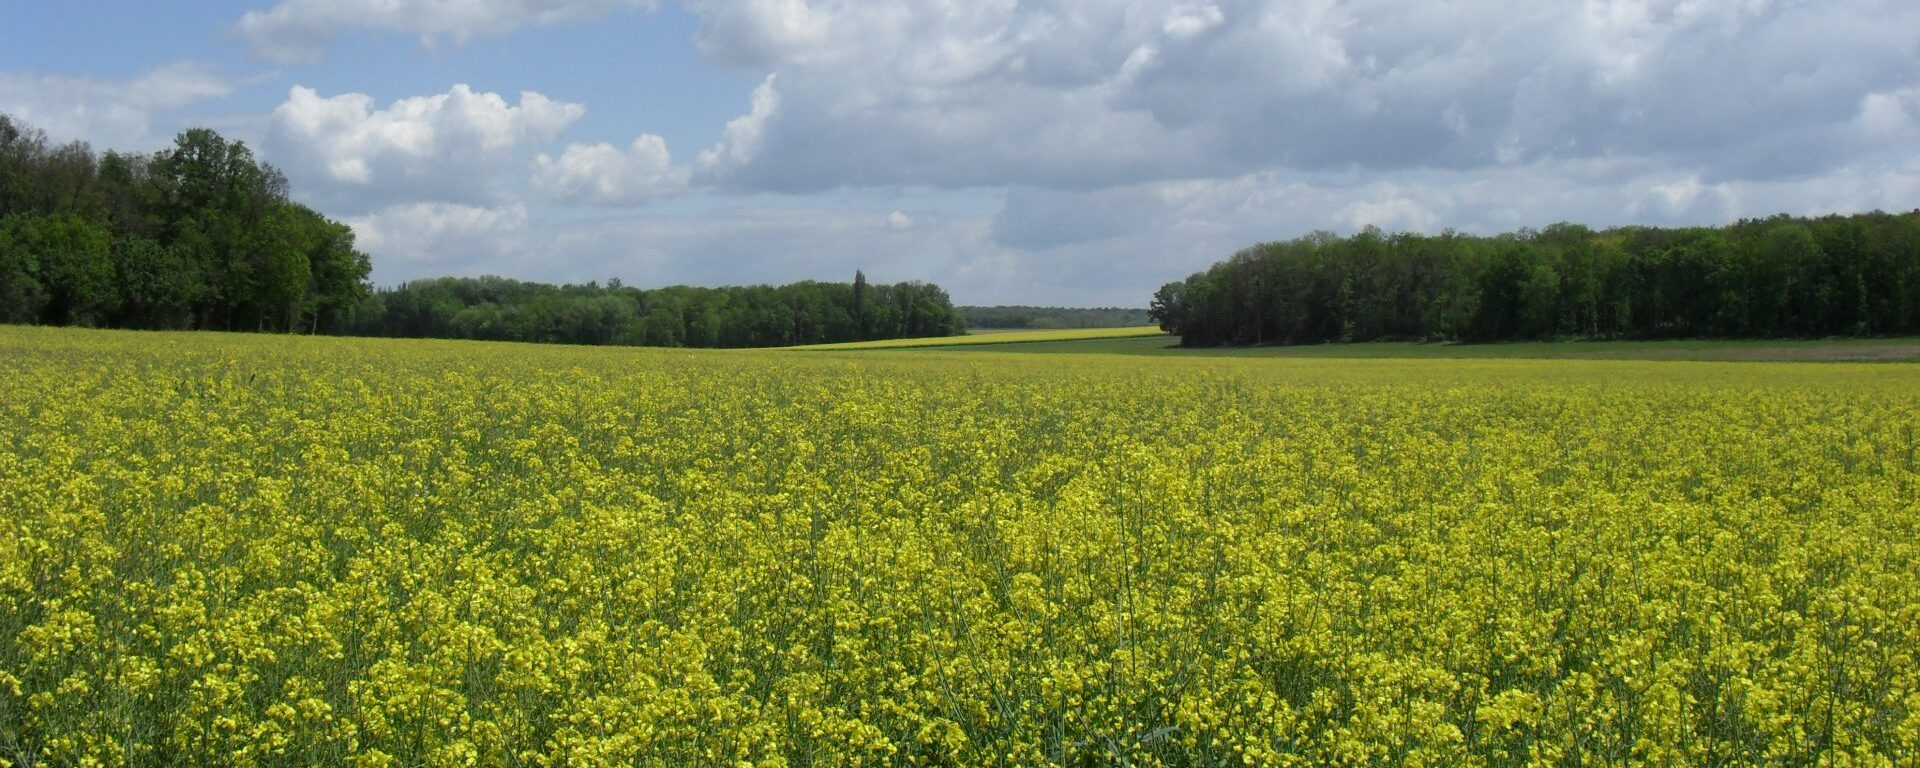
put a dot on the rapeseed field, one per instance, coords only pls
(999, 338)
(256, 550)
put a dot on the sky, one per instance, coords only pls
(1011, 151)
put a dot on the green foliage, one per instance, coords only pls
(69, 260)
(21, 294)
(500, 309)
(1777, 277)
(200, 235)
(158, 285)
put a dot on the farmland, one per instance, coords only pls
(1905, 349)
(254, 550)
(1000, 338)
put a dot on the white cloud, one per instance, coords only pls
(299, 30)
(1061, 151)
(602, 174)
(1187, 21)
(430, 239)
(741, 140)
(1069, 94)
(1389, 210)
(1889, 116)
(1672, 198)
(1095, 247)
(112, 114)
(454, 146)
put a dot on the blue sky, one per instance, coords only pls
(1040, 151)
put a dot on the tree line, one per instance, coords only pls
(1047, 318)
(811, 312)
(203, 236)
(200, 235)
(1775, 277)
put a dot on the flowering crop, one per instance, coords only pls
(248, 550)
(998, 337)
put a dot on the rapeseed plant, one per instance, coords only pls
(246, 550)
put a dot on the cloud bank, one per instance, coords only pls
(1084, 152)
(114, 114)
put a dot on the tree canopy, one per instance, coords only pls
(201, 235)
(809, 312)
(1776, 277)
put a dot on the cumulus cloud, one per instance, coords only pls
(1074, 247)
(741, 140)
(1889, 118)
(298, 31)
(429, 239)
(116, 114)
(452, 147)
(1058, 151)
(1189, 20)
(602, 174)
(1065, 94)
(1390, 210)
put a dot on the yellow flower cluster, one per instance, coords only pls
(253, 550)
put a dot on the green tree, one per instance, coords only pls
(72, 265)
(22, 297)
(862, 325)
(338, 272)
(158, 286)
(217, 200)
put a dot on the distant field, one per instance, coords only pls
(997, 337)
(1858, 350)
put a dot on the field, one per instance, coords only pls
(1776, 350)
(267, 550)
(995, 338)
